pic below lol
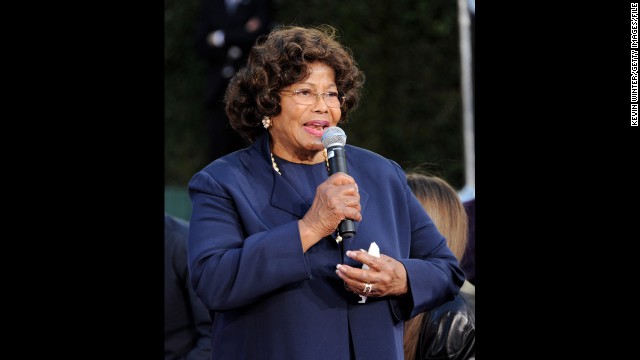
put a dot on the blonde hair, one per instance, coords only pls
(446, 210)
(444, 207)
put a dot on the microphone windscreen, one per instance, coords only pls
(333, 136)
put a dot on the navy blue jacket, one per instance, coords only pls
(272, 301)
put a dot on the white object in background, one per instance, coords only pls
(374, 250)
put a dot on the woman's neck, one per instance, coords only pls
(306, 157)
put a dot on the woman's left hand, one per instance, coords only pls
(385, 276)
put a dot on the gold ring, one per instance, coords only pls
(367, 288)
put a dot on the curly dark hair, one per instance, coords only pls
(280, 59)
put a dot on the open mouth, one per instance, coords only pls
(316, 127)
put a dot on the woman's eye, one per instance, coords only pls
(304, 93)
(332, 94)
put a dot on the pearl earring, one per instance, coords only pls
(266, 122)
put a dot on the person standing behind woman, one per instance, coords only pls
(225, 32)
(468, 262)
(187, 323)
(263, 249)
(448, 331)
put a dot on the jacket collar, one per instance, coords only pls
(283, 196)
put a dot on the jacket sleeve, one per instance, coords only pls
(228, 268)
(433, 273)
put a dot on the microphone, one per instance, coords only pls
(333, 140)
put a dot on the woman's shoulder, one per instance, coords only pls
(238, 159)
(370, 161)
(371, 157)
(362, 152)
(227, 169)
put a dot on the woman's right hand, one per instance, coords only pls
(336, 199)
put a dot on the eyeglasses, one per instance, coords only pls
(308, 97)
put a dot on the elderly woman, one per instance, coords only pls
(264, 252)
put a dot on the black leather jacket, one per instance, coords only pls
(449, 331)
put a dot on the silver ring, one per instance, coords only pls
(367, 288)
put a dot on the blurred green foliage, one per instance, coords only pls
(411, 109)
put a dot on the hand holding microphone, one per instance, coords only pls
(337, 200)
(334, 140)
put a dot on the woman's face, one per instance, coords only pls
(299, 128)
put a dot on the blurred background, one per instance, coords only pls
(411, 110)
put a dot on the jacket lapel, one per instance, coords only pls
(283, 196)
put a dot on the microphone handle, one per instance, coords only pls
(338, 163)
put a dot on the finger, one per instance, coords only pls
(366, 289)
(352, 202)
(341, 178)
(343, 272)
(354, 215)
(353, 276)
(353, 212)
(345, 206)
(360, 288)
(351, 190)
(364, 257)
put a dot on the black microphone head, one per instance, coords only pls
(334, 136)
